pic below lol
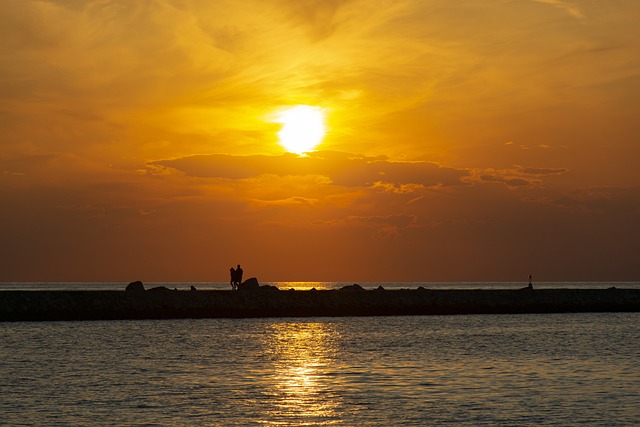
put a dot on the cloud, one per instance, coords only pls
(613, 201)
(385, 225)
(318, 15)
(396, 221)
(517, 177)
(342, 169)
(505, 177)
(517, 182)
(544, 171)
(398, 188)
(571, 9)
(290, 201)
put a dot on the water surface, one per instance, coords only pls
(508, 370)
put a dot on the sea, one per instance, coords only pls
(578, 369)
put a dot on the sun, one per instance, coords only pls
(303, 128)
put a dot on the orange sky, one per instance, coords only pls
(467, 140)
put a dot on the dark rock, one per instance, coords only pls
(136, 286)
(249, 285)
(354, 287)
(380, 288)
(269, 288)
(193, 288)
(159, 289)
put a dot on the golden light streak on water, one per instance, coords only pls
(301, 354)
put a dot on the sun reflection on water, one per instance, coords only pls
(301, 355)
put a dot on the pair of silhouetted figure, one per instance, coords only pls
(236, 277)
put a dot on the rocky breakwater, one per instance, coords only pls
(253, 300)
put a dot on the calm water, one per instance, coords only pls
(493, 370)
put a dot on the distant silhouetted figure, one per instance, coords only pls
(530, 283)
(233, 282)
(238, 276)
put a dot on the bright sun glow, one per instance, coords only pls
(302, 128)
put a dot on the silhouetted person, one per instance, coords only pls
(233, 281)
(530, 283)
(238, 275)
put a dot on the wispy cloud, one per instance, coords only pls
(517, 177)
(571, 9)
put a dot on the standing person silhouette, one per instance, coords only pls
(238, 276)
(233, 274)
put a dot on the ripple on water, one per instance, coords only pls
(562, 370)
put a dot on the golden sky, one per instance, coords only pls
(468, 140)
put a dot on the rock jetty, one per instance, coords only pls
(267, 301)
